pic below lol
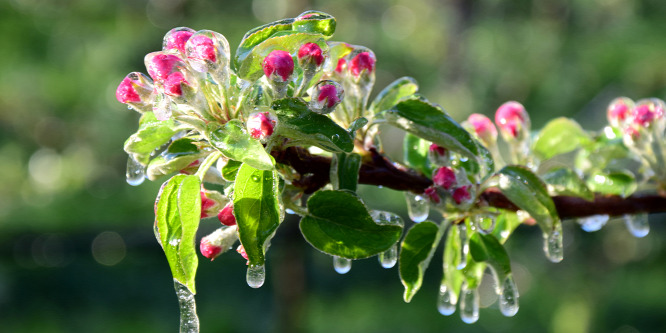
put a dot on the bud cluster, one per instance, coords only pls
(449, 182)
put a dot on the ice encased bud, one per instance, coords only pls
(260, 125)
(176, 38)
(647, 112)
(310, 55)
(362, 63)
(326, 95)
(136, 90)
(278, 66)
(512, 121)
(618, 111)
(483, 128)
(208, 51)
(160, 64)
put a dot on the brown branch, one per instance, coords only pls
(379, 171)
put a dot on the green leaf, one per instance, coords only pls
(344, 171)
(622, 183)
(505, 224)
(177, 215)
(415, 254)
(250, 68)
(417, 116)
(564, 181)
(236, 144)
(415, 151)
(338, 223)
(257, 35)
(393, 93)
(486, 248)
(297, 122)
(356, 125)
(230, 169)
(453, 277)
(151, 135)
(559, 136)
(529, 193)
(315, 22)
(257, 210)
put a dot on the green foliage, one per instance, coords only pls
(416, 252)
(621, 182)
(344, 171)
(236, 144)
(559, 136)
(564, 181)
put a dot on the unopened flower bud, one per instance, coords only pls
(202, 48)
(226, 215)
(512, 120)
(136, 90)
(173, 84)
(618, 111)
(432, 194)
(176, 38)
(261, 125)
(341, 66)
(326, 95)
(310, 56)
(209, 250)
(444, 177)
(462, 194)
(362, 62)
(241, 251)
(483, 128)
(160, 65)
(208, 52)
(206, 205)
(646, 112)
(218, 242)
(278, 66)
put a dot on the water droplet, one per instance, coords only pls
(341, 265)
(174, 241)
(485, 223)
(637, 224)
(464, 246)
(255, 178)
(386, 218)
(446, 301)
(389, 257)
(335, 137)
(552, 243)
(136, 173)
(417, 207)
(256, 275)
(508, 298)
(469, 304)
(593, 223)
(289, 211)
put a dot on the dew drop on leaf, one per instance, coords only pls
(485, 223)
(136, 173)
(446, 301)
(593, 223)
(256, 275)
(389, 257)
(341, 265)
(417, 207)
(508, 298)
(637, 224)
(469, 304)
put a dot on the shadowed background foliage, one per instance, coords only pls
(77, 253)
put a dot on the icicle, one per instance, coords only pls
(593, 223)
(552, 243)
(256, 275)
(136, 173)
(389, 257)
(637, 224)
(508, 297)
(464, 246)
(446, 302)
(341, 265)
(417, 207)
(189, 322)
(469, 304)
(485, 223)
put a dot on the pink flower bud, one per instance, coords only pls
(619, 110)
(206, 205)
(364, 61)
(160, 65)
(261, 125)
(512, 120)
(126, 92)
(483, 128)
(201, 48)
(310, 54)
(173, 84)
(176, 38)
(444, 177)
(326, 95)
(278, 66)
(241, 251)
(208, 249)
(439, 150)
(462, 194)
(431, 193)
(631, 133)
(136, 90)
(226, 215)
(341, 66)
(647, 112)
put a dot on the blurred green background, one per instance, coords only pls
(77, 253)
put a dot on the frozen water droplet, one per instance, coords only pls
(389, 257)
(552, 243)
(341, 265)
(469, 304)
(637, 224)
(289, 211)
(256, 275)
(417, 207)
(508, 298)
(136, 173)
(593, 223)
(446, 301)
(174, 242)
(189, 322)
(386, 218)
(326, 95)
(255, 178)
(464, 246)
(485, 223)
(335, 137)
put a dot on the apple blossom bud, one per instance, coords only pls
(208, 249)
(631, 134)
(241, 251)
(226, 215)
(362, 62)
(310, 56)
(261, 125)
(173, 84)
(208, 52)
(431, 193)
(218, 242)
(512, 120)
(201, 48)
(438, 155)
(618, 111)
(483, 128)
(462, 194)
(444, 177)
(136, 90)
(160, 65)
(646, 112)
(341, 66)
(326, 95)
(176, 38)
(206, 205)
(278, 66)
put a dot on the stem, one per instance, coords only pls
(210, 159)
(189, 321)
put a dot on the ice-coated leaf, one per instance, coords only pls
(486, 248)
(622, 182)
(338, 223)
(344, 171)
(257, 210)
(564, 181)
(250, 68)
(235, 143)
(393, 93)
(259, 34)
(151, 135)
(529, 193)
(297, 122)
(559, 136)
(453, 277)
(230, 169)
(315, 22)
(356, 125)
(425, 120)
(415, 253)
(505, 224)
(415, 152)
(177, 215)
(178, 156)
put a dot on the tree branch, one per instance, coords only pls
(379, 171)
